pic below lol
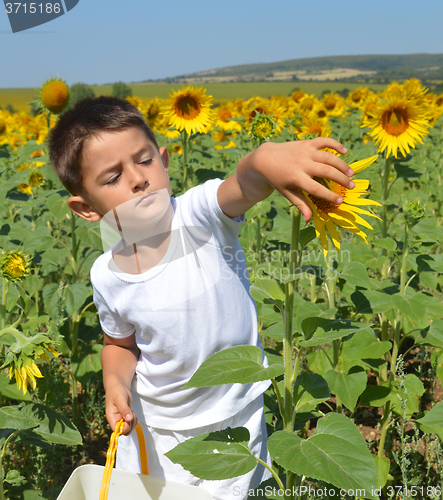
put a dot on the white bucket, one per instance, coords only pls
(84, 484)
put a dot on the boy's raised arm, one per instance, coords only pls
(119, 359)
(287, 167)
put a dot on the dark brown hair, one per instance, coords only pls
(86, 120)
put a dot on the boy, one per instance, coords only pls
(175, 286)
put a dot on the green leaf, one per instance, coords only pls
(216, 455)
(53, 427)
(355, 274)
(275, 331)
(383, 465)
(13, 477)
(364, 345)
(58, 206)
(377, 395)
(336, 453)
(9, 389)
(33, 283)
(328, 330)
(432, 335)
(372, 302)
(89, 234)
(242, 364)
(310, 389)
(86, 363)
(267, 289)
(306, 235)
(319, 362)
(347, 386)
(15, 417)
(411, 307)
(432, 422)
(76, 295)
(427, 230)
(52, 300)
(386, 243)
(414, 390)
(204, 174)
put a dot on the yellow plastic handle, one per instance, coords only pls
(110, 456)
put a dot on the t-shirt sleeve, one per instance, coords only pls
(203, 207)
(110, 321)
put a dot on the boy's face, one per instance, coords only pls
(118, 168)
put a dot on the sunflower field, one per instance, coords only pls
(349, 305)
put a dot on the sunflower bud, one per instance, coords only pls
(262, 127)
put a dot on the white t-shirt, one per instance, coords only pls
(194, 303)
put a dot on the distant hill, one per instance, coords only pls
(357, 69)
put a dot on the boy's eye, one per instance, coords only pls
(114, 179)
(146, 162)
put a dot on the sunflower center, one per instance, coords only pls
(2, 127)
(153, 111)
(225, 115)
(187, 107)
(16, 266)
(308, 104)
(395, 121)
(356, 97)
(323, 205)
(438, 101)
(330, 103)
(321, 113)
(263, 129)
(316, 128)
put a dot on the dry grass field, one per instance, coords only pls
(20, 97)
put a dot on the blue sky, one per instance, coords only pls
(103, 41)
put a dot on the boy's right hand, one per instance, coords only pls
(118, 406)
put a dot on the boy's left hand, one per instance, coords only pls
(290, 167)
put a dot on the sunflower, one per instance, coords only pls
(399, 118)
(223, 118)
(152, 112)
(54, 95)
(222, 136)
(36, 178)
(15, 265)
(189, 109)
(21, 357)
(334, 103)
(314, 126)
(307, 103)
(327, 214)
(135, 101)
(297, 95)
(262, 127)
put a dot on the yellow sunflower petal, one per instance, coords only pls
(360, 165)
(334, 234)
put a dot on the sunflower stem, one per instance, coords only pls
(3, 307)
(257, 224)
(2, 455)
(288, 319)
(384, 228)
(331, 282)
(185, 158)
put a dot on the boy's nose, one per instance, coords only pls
(138, 178)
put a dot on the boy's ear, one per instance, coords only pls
(82, 208)
(165, 157)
